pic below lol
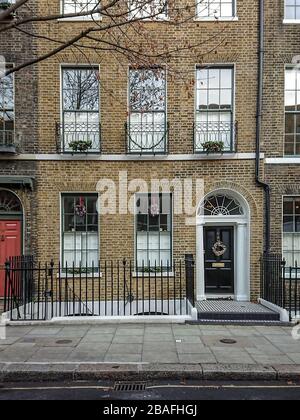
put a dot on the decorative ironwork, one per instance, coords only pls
(215, 132)
(147, 138)
(280, 283)
(7, 141)
(72, 137)
(221, 205)
(9, 203)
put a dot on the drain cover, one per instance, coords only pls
(227, 341)
(64, 342)
(129, 386)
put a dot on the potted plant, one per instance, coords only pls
(213, 147)
(81, 145)
(4, 5)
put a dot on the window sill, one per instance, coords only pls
(155, 19)
(152, 275)
(80, 19)
(291, 21)
(287, 160)
(213, 19)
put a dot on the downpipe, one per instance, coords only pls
(258, 180)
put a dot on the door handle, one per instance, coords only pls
(2, 238)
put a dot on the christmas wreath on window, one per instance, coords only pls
(80, 208)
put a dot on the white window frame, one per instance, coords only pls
(78, 66)
(85, 193)
(286, 20)
(10, 65)
(164, 273)
(199, 7)
(96, 16)
(159, 18)
(282, 219)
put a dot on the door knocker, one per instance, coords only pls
(219, 247)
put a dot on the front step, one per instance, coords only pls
(224, 310)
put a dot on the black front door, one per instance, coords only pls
(219, 260)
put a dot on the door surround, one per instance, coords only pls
(241, 225)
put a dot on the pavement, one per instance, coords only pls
(149, 351)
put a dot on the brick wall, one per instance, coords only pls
(282, 43)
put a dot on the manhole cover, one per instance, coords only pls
(64, 342)
(128, 386)
(227, 341)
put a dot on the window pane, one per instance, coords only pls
(153, 228)
(80, 229)
(288, 224)
(155, 9)
(215, 8)
(288, 206)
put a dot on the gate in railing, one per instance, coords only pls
(45, 291)
(280, 284)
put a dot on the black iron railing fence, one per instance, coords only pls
(7, 141)
(215, 132)
(78, 138)
(147, 138)
(110, 288)
(280, 284)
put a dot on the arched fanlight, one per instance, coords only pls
(221, 205)
(9, 203)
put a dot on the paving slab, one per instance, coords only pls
(128, 339)
(273, 360)
(164, 357)
(191, 348)
(197, 358)
(123, 358)
(98, 338)
(125, 348)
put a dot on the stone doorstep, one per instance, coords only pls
(37, 372)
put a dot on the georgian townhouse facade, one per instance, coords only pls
(200, 124)
(18, 135)
(166, 141)
(281, 125)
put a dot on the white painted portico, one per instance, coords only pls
(241, 224)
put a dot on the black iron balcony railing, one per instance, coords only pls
(147, 138)
(213, 135)
(78, 138)
(7, 141)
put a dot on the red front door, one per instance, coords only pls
(10, 245)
